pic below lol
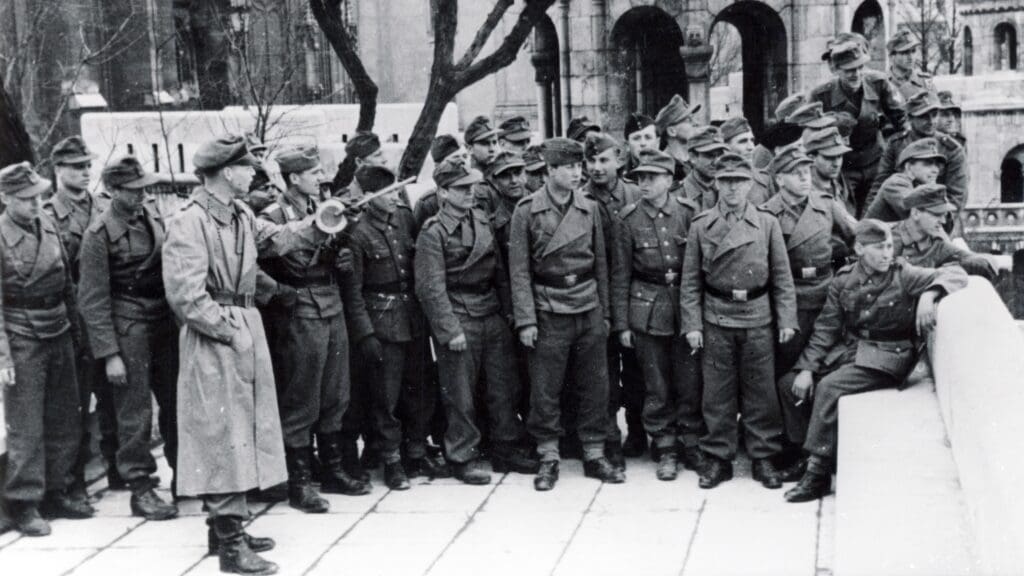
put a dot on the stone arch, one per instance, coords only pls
(1005, 49)
(1011, 176)
(968, 52)
(545, 59)
(869, 21)
(765, 57)
(644, 65)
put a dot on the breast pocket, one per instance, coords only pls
(641, 304)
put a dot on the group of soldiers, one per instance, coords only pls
(720, 289)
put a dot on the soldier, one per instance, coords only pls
(779, 133)
(73, 209)
(229, 430)
(386, 323)
(863, 340)
(650, 238)
(870, 98)
(919, 163)
(363, 149)
(736, 285)
(601, 155)
(482, 142)
(560, 298)
(310, 359)
(37, 364)
(507, 175)
(677, 123)
(811, 117)
(515, 134)
(809, 220)
(826, 150)
(266, 186)
(131, 329)
(739, 138)
(463, 287)
(579, 128)
(536, 170)
(444, 147)
(948, 121)
(705, 147)
(903, 74)
(641, 134)
(923, 110)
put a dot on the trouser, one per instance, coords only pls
(739, 370)
(228, 504)
(672, 375)
(847, 379)
(489, 352)
(625, 389)
(43, 420)
(794, 417)
(859, 181)
(357, 419)
(149, 350)
(403, 400)
(577, 342)
(91, 376)
(313, 382)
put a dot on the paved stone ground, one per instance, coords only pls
(441, 528)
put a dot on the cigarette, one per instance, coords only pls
(694, 351)
(798, 402)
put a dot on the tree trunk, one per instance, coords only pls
(328, 16)
(15, 144)
(438, 96)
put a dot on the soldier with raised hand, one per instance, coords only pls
(560, 300)
(650, 240)
(229, 428)
(131, 328)
(863, 340)
(677, 123)
(705, 147)
(310, 358)
(737, 300)
(903, 72)
(919, 163)
(37, 363)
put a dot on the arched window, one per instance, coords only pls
(968, 52)
(1006, 47)
(1011, 177)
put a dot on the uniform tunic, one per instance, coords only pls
(953, 174)
(699, 190)
(934, 251)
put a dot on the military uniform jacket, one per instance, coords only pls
(887, 205)
(868, 319)
(747, 255)
(121, 274)
(953, 174)
(646, 265)
(914, 82)
(937, 251)
(426, 207)
(762, 188)
(37, 269)
(881, 103)
(809, 244)
(383, 302)
(310, 270)
(836, 189)
(547, 247)
(459, 272)
(700, 192)
(610, 206)
(73, 219)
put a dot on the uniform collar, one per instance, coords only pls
(12, 231)
(653, 211)
(222, 213)
(63, 204)
(748, 213)
(450, 221)
(542, 201)
(617, 192)
(296, 200)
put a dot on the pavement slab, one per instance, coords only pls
(39, 563)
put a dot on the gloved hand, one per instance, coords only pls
(343, 262)
(371, 350)
(286, 296)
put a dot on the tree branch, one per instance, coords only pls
(328, 16)
(506, 53)
(484, 33)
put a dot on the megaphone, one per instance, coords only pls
(330, 216)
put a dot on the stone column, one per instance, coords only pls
(565, 69)
(696, 55)
(599, 43)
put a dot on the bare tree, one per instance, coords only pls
(329, 17)
(935, 24)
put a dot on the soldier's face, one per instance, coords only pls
(458, 197)
(925, 123)
(877, 257)
(928, 221)
(654, 187)
(682, 130)
(924, 171)
(535, 180)
(732, 191)
(240, 178)
(704, 162)
(74, 176)
(742, 144)
(485, 151)
(566, 176)
(603, 168)
(797, 181)
(386, 203)
(646, 139)
(851, 77)
(902, 60)
(828, 167)
(308, 183)
(22, 209)
(511, 182)
(130, 199)
(375, 158)
(946, 122)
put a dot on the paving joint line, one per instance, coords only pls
(693, 536)
(466, 525)
(575, 531)
(105, 547)
(347, 531)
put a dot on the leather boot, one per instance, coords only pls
(615, 454)
(668, 466)
(25, 518)
(547, 476)
(145, 502)
(692, 458)
(812, 486)
(428, 467)
(60, 504)
(350, 460)
(272, 495)
(333, 478)
(603, 470)
(715, 472)
(256, 544)
(508, 458)
(114, 480)
(763, 470)
(471, 473)
(235, 555)
(794, 471)
(395, 477)
(301, 493)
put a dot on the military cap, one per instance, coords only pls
(654, 162)
(71, 150)
(561, 151)
(254, 143)
(946, 102)
(126, 172)
(372, 178)
(479, 128)
(533, 159)
(849, 55)
(636, 122)
(597, 142)
(902, 41)
(504, 161)
(674, 112)
(827, 142)
(516, 129)
(930, 197)
(21, 181)
(923, 149)
(448, 174)
(844, 122)
(580, 127)
(731, 165)
(842, 38)
(733, 127)
(229, 150)
(362, 145)
(789, 157)
(789, 104)
(811, 115)
(921, 103)
(872, 231)
(443, 146)
(297, 159)
(779, 134)
(706, 139)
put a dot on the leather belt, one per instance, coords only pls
(737, 295)
(811, 272)
(563, 280)
(668, 278)
(148, 289)
(233, 299)
(25, 302)
(396, 287)
(884, 335)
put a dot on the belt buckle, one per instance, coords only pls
(739, 295)
(570, 279)
(670, 276)
(249, 300)
(808, 272)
